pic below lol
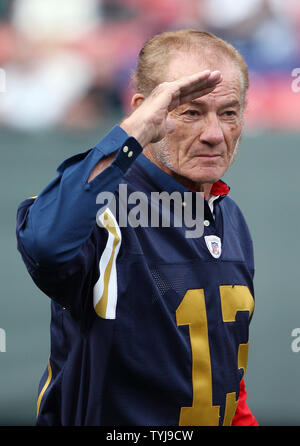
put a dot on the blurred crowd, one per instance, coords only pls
(67, 62)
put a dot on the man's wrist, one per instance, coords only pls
(136, 130)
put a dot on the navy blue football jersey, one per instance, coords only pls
(148, 327)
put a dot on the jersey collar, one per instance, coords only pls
(220, 188)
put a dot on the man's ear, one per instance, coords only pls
(136, 100)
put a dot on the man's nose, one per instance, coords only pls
(212, 133)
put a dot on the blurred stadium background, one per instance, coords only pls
(67, 65)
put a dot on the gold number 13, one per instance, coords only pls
(192, 312)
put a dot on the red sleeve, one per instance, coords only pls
(243, 416)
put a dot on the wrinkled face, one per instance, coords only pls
(207, 129)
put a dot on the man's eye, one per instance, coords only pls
(191, 112)
(229, 113)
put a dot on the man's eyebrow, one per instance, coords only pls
(233, 103)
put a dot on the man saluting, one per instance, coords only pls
(150, 327)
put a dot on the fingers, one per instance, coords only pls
(202, 79)
(191, 87)
(211, 80)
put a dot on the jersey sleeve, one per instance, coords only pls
(54, 230)
(62, 217)
(243, 415)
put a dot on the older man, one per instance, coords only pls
(149, 326)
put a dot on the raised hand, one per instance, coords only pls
(149, 121)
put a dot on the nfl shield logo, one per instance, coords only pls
(215, 248)
(214, 245)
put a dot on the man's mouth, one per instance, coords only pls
(206, 155)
